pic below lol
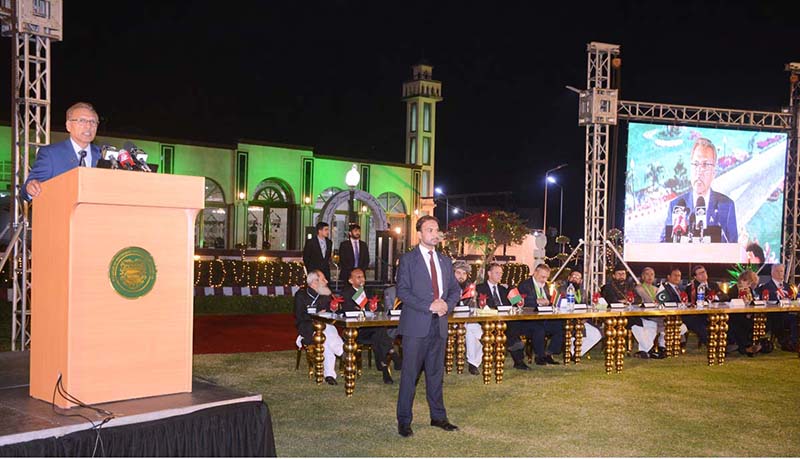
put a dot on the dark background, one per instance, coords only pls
(329, 75)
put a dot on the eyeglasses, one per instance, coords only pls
(85, 122)
(705, 166)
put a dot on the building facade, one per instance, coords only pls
(267, 196)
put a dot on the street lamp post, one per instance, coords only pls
(546, 181)
(552, 180)
(351, 179)
(438, 191)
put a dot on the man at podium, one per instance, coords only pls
(57, 158)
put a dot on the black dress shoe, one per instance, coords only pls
(522, 366)
(331, 380)
(443, 424)
(540, 361)
(387, 377)
(642, 355)
(473, 370)
(404, 430)
(549, 359)
(398, 361)
(657, 355)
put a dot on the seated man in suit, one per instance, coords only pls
(317, 295)
(57, 158)
(353, 253)
(697, 323)
(719, 209)
(378, 337)
(778, 322)
(535, 289)
(741, 325)
(474, 331)
(593, 334)
(317, 251)
(617, 290)
(673, 288)
(496, 295)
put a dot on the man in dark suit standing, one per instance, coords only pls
(429, 291)
(317, 252)
(57, 158)
(353, 253)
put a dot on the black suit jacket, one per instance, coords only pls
(313, 258)
(490, 300)
(772, 288)
(674, 296)
(302, 300)
(691, 291)
(347, 258)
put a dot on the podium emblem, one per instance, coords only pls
(132, 272)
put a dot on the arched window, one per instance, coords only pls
(396, 215)
(273, 198)
(211, 228)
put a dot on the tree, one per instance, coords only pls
(654, 172)
(488, 231)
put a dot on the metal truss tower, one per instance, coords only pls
(791, 240)
(597, 112)
(32, 25)
(600, 108)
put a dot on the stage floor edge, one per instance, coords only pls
(24, 419)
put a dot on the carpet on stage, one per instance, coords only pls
(230, 334)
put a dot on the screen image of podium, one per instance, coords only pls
(707, 195)
(111, 285)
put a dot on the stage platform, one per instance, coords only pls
(210, 421)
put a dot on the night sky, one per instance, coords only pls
(329, 75)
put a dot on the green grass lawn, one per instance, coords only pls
(673, 407)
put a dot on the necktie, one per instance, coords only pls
(497, 299)
(355, 253)
(83, 158)
(434, 276)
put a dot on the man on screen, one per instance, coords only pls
(704, 207)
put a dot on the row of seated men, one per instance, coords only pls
(647, 331)
(316, 296)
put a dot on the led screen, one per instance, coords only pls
(703, 194)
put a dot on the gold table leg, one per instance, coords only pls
(579, 329)
(350, 347)
(461, 347)
(487, 339)
(722, 338)
(759, 327)
(319, 351)
(568, 327)
(668, 329)
(712, 327)
(500, 349)
(450, 350)
(622, 334)
(611, 344)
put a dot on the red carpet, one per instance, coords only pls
(221, 334)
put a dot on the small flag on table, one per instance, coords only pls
(360, 297)
(469, 292)
(513, 296)
(397, 303)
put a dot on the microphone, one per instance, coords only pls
(136, 155)
(125, 160)
(700, 215)
(110, 154)
(678, 220)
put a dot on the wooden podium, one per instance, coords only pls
(111, 284)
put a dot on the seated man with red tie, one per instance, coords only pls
(378, 337)
(496, 295)
(534, 290)
(778, 322)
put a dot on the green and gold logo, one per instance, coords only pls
(132, 272)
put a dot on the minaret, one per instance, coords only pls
(421, 94)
